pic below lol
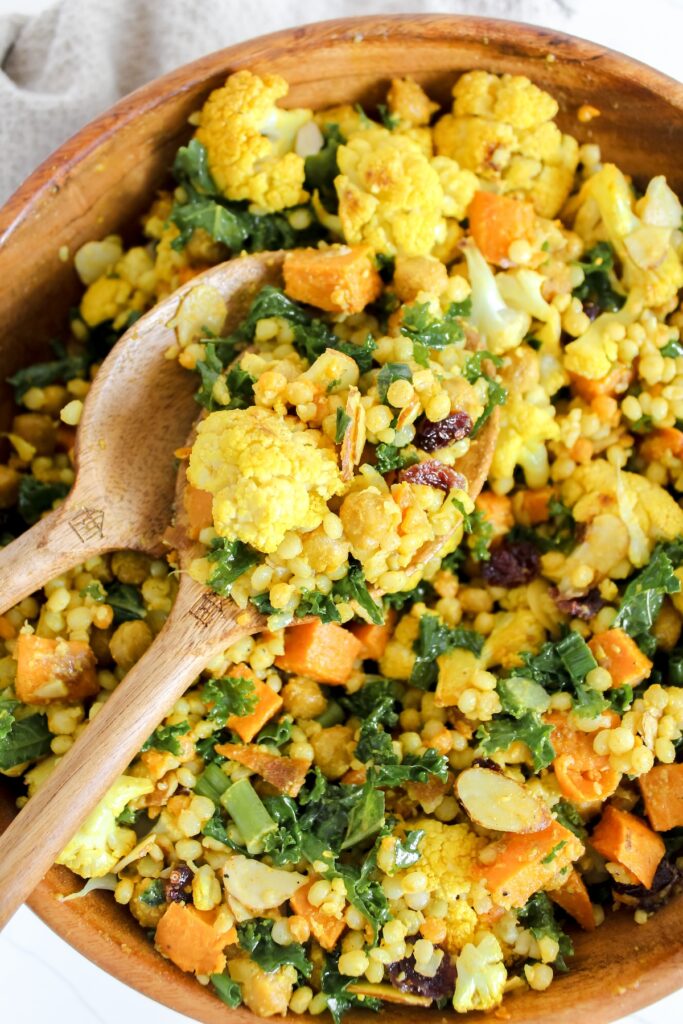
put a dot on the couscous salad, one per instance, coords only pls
(457, 739)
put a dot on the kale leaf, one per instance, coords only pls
(530, 728)
(36, 497)
(165, 737)
(232, 695)
(24, 739)
(596, 288)
(538, 916)
(126, 602)
(255, 938)
(435, 638)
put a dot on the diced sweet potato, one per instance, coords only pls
(326, 928)
(341, 279)
(498, 221)
(66, 437)
(190, 939)
(7, 630)
(531, 507)
(375, 638)
(199, 510)
(662, 790)
(616, 651)
(286, 774)
(574, 899)
(582, 775)
(526, 863)
(322, 651)
(497, 509)
(268, 704)
(615, 383)
(660, 442)
(626, 840)
(50, 670)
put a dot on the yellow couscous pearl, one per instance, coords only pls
(71, 413)
(399, 393)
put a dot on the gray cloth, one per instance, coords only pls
(63, 67)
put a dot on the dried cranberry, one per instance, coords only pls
(177, 883)
(433, 473)
(585, 606)
(430, 436)
(405, 978)
(512, 563)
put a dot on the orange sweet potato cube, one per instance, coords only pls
(341, 279)
(190, 939)
(56, 669)
(662, 790)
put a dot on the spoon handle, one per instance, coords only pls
(62, 539)
(44, 826)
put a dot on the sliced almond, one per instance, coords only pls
(494, 801)
(258, 886)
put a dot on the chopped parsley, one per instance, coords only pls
(497, 395)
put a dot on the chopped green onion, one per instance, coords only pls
(244, 806)
(576, 656)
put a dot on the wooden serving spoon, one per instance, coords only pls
(139, 410)
(200, 626)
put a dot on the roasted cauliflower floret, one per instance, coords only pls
(266, 477)
(409, 102)
(501, 328)
(100, 843)
(605, 206)
(635, 506)
(250, 142)
(502, 128)
(392, 197)
(527, 422)
(448, 855)
(481, 976)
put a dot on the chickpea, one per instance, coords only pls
(303, 698)
(147, 915)
(129, 643)
(130, 566)
(333, 750)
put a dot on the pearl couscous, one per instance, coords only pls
(470, 745)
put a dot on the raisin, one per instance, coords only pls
(430, 436)
(177, 883)
(512, 563)
(667, 879)
(583, 607)
(405, 978)
(433, 473)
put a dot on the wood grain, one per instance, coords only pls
(103, 178)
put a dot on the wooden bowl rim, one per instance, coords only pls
(80, 928)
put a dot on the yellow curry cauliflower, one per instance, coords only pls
(448, 855)
(393, 197)
(266, 477)
(501, 128)
(250, 142)
(643, 235)
(100, 843)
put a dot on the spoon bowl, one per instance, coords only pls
(138, 411)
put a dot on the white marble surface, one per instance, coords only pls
(41, 977)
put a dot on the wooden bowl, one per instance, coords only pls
(101, 180)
